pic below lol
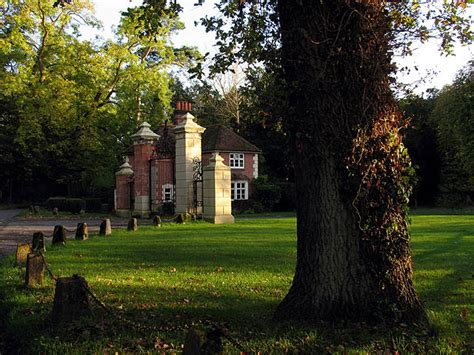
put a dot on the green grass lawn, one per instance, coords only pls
(232, 274)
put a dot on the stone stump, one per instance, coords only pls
(59, 235)
(213, 344)
(132, 225)
(71, 300)
(34, 270)
(55, 211)
(157, 221)
(181, 218)
(38, 242)
(105, 227)
(193, 342)
(82, 231)
(22, 251)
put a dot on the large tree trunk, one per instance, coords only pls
(353, 258)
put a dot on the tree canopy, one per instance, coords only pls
(70, 105)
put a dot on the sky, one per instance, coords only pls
(426, 58)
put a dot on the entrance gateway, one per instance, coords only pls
(150, 170)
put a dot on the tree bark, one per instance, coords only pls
(353, 253)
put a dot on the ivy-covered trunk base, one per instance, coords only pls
(352, 172)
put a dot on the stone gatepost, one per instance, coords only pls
(143, 145)
(188, 147)
(217, 199)
(123, 179)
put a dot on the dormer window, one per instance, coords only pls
(236, 160)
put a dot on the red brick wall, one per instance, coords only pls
(164, 175)
(248, 163)
(142, 154)
(122, 184)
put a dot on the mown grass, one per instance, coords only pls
(232, 274)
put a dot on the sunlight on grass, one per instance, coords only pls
(235, 274)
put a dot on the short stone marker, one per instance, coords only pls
(105, 227)
(38, 242)
(34, 270)
(213, 343)
(181, 218)
(59, 235)
(193, 342)
(55, 211)
(71, 299)
(82, 231)
(157, 221)
(132, 225)
(22, 251)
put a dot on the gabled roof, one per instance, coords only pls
(222, 139)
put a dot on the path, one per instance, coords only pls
(18, 230)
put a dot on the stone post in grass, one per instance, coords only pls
(34, 270)
(132, 225)
(22, 251)
(105, 227)
(59, 235)
(37, 244)
(193, 342)
(82, 231)
(71, 299)
(217, 199)
(157, 221)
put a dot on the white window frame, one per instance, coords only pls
(239, 190)
(237, 160)
(164, 193)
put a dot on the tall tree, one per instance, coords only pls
(351, 169)
(71, 105)
(420, 140)
(453, 119)
(353, 245)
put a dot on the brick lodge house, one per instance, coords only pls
(165, 172)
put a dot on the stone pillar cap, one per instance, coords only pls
(145, 133)
(188, 125)
(216, 161)
(125, 169)
(216, 157)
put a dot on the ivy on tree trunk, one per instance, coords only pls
(352, 172)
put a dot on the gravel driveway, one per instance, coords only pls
(14, 230)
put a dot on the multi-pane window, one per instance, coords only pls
(236, 160)
(239, 190)
(168, 193)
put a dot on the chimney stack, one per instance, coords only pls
(182, 107)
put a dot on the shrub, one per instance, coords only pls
(73, 205)
(56, 202)
(288, 197)
(267, 193)
(93, 204)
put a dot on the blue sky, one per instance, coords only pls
(426, 58)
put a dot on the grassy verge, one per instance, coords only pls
(232, 274)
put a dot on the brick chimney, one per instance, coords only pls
(182, 107)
